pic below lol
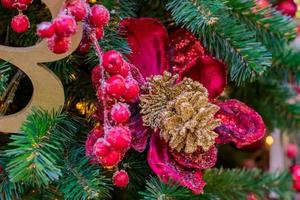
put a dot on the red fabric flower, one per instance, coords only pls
(240, 124)
(140, 134)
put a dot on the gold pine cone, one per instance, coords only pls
(181, 111)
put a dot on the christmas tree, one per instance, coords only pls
(148, 99)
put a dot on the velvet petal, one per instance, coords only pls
(140, 134)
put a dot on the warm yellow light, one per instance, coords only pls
(93, 1)
(269, 140)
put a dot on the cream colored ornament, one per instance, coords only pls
(48, 91)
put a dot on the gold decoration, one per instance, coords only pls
(182, 112)
(48, 92)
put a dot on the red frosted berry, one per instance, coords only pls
(96, 76)
(119, 138)
(120, 113)
(45, 30)
(21, 4)
(99, 16)
(99, 32)
(287, 7)
(120, 178)
(84, 46)
(101, 148)
(93, 136)
(8, 4)
(132, 90)
(77, 9)
(59, 45)
(20, 23)
(124, 71)
(110, 159)
(291, 151)
(115, 86)
(112, 62)
(64, 26)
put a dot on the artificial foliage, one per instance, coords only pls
(199, 64)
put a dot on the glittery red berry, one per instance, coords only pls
(110, 159)
(64, 26)
(99, 32)
(291, 151)
(119, 138)
(124, 71)
(93, 136)
(21, 4)
(101, 148)
(120, 113)
(112, 62)
(96, 76)
(132, 89)
(45, 30)
(8, 4)
(77, 9)
(84, 46)
(99, 16)
(120, 178)
(20, 23)
(59, 45)
(115, 86)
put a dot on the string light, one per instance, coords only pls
(269, 140)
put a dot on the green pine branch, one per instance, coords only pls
(224, 36)
(36, 150)
(82, 180)
(5, 72)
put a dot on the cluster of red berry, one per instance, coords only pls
(19, 23)
(115, 89)
(292, 152)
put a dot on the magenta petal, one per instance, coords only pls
(240, 124)
(140, 134)
(148, 40)
(166, 168)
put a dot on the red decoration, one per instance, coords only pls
(94, 135)
(115, 86)
(287, 7)
(99, 32)
(251, 197)
(7, 4)
(295, 171)
(140, 133)
(111, 159)
(45, 30)
(96, 76)
(240, 124)
(99, 16)
(125, 68)
(77, 9)
(64, 26)
(112, 62)
(20, 23)
(59, 45)
(167, 168)
(261, 4)
(120, 113)
(84, 46)
(292, 151)
(132, 90)
(120, 179)
(119, 138)
(101, 148)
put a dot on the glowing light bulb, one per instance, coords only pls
(269, 140)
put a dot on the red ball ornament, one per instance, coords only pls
(77, 9)
(119, 138)
(8, 4)
(124, 71)
(120, 113)
(132, 90)
(101, 148)
(287, 7)
(99, 16)
(99, 32)
(120, 179)
(115, 86)
(65, 26)
(112, 62)
(111, 159)
(59, 45)
(291, 151)
(20, 23)
(45, 30)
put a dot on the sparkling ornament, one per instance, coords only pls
(101, 148)
(99, 16)
(59, 45)
(120, 179)
(20, 23)
(45, 30)
(8, 4)
(111, 159)
(77, 9)
(119, 138)
(94, 135)
(112, 62)
(64, 26)
(287, 7)
(132, 90)
(96, 76)
(120, 113)
(115, 86)
(291, 151)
